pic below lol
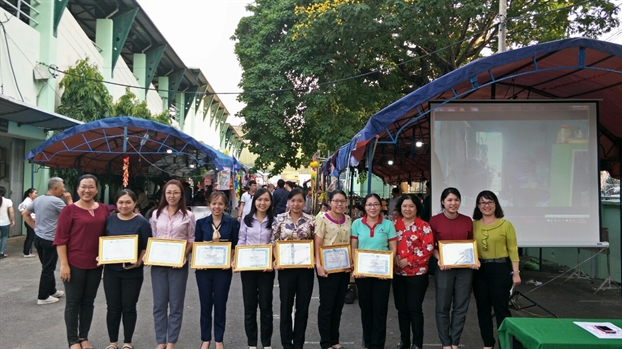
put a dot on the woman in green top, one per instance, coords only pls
(498, 273)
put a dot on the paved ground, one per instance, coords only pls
(24, 324)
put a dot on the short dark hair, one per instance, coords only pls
(251, 183)
(414, 199)
(295, 192)
(280, 183)
(395, 190)
(487, 194)
(446, 192)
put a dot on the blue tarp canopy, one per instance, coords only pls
(566, 69)
(99, 147)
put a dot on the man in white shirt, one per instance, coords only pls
(247, 200)
(395, 192)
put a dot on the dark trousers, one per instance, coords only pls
(491, 288)
(452, 286)
(30, 238)
(295, 284)
(332, 298)
(48, 258)
(408, 294)
(169, 294)
(257, 287)
(122, 289)
(374, 304)
(80, 292)
(213, 287)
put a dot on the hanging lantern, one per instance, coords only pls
(126, 171)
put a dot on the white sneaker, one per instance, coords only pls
(29, 256)
(58, 294)
(48, 300)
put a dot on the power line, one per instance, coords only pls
(8, 52)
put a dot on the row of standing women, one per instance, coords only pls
(410, 239)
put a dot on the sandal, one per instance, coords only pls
(125, 346)
(83, 340)
(112, 347)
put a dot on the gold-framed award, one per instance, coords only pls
(371, 263)
(118, 249)
(335, 258)
(294, 254)
(211, 255)
(165, 252)
(457, 253)
(253, 257)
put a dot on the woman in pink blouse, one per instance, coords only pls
(172, 220)
(77, 242)
(415, 245)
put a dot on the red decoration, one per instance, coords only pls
(126, 171)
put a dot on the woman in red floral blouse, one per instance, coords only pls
(415, 245)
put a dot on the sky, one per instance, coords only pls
(199, 31)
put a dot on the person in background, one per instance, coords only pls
(47, 208)
(123, 281)
(323, 209)
(187, 193)
(112, 209)
(294, 284)
(257, 286)
(497, 249)
(7, 220)
(271, 188)
(395, 215)
(279, 198)
(331, 228)
(426, 214)
(77, 242)
(29, 196)
(395, 196)
(453, 286)
(415, 245)
(143, 200)
(372, 232)
(247, 198)
(308, 201)
(214, 284)
(171, 220)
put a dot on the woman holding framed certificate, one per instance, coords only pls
(77, 242)
(214, 284)
(294, 283)
(415, 245)
(123, 281)
(173, 221)
(453, 285)
(374, 233)
(332, 228)
(257, 285)
(497, 249)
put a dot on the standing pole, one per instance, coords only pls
(371, 149)
(503, 29)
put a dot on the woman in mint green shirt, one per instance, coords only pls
(497, 250)
(372, 232)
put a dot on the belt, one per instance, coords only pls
(494, 260)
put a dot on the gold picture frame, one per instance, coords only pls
(211, 255)
(371, 263)
(458, 253)
(165, 252)
(294, 254)
(253, 257)
(336, 258)
(118, 249)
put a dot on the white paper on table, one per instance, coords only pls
(591, 328)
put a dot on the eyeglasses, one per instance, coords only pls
(375, 204)
(173, 193)
(339, 202)
(486, 203)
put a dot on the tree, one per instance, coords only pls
(315, 71)
(129, 105)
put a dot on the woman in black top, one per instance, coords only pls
(122, 282)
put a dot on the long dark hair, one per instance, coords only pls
(28, 192)
(182, 200)
(487, 194)
(248, 219)
(2, 192)
(445, 194)
(412, 197)
(369, 196)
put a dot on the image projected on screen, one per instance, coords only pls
(540, 159)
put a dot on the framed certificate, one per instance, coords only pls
(378, 264)
(295, 254)
(211, 255)
(457, 253)
(118, 249)
(335, 258)
(253, 257)
(165, 252)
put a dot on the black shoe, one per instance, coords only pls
(401, 346)
(350, 294)
(414, 347)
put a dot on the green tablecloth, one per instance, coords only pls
(548, 333)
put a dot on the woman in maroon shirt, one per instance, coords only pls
(415, 244)
(77, 241)
(452, 285)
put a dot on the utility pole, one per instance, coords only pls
(503, 29)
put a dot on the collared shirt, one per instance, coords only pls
(229, 229)
(257, 234)
(175, 227)
(247, 199)
(376, 237)
(331, 231)
(416, 244)
(284, 227)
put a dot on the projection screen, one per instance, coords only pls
(540, 158)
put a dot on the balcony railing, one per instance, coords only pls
(15, 8)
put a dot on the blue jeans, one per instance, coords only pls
(4, 230)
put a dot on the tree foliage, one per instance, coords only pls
(315, 71)
(129, 105)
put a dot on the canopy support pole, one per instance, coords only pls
(371, 150)
(351, 169)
